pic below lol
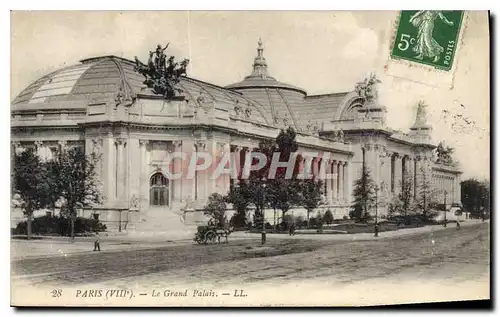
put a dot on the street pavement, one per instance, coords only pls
(63, 246)
(448, 263)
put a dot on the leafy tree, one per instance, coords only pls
(475, 196)
(280, 193)
(216, 209)
(311, 192)
(394, 207)
(73, 177)
(299, 220)
(364, 195)
(328, 217)
(241, 198)
(356, 212)
(426, 195)
(31, 191)
(405, 194)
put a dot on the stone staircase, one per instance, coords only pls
(163, 222)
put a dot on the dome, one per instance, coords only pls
(100, 79)
(279, 99)
(93, 80)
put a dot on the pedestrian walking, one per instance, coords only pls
(97, 242)
(291, 230)
(458, 225)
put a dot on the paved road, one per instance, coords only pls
(445, 253)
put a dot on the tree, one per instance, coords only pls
(405, 194)
(31, 189)
(364, 195)
(280, 193)
(328, 217)
(475, 196)
(241, 198)
(73, 175)
(311, 192)
(426, 195)
(216, 209)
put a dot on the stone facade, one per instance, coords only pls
(106, 110)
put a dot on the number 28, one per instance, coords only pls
(56, 293)
(405, 42)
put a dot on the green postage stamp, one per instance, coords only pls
(428, 37)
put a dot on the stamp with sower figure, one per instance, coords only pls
(428, 37)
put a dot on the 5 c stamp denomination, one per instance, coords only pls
(428, 37)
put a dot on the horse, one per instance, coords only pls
(225, 233)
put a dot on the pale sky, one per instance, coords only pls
(320, 51)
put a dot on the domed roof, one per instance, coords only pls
(100, 79)
(278, 98)
(260, 76)
(94, 79)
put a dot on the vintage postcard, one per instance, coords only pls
(249, 158)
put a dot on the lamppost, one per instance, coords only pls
(376, 211)
(263, 238)
(445, 193)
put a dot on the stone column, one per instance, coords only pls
(220, 180)
(97, 150)
(313, 168)
(341, 182)
(236, 162)
(133, 174)
(371, 160)
(348, 182)
(39, 149)
(385, 174)
(200, 188)
(345, 184)
(338, 184)
(188, 184)
(458, 192)
(16, 149)
(335, 181)
(398, 177)
(109, 173)
(177, 168)
(377, 173)
(209, 182)
(120, 171)
(62, 145)
(227, 177)
(416, 176)
(409, 173)
(328, 182)
(144, 176)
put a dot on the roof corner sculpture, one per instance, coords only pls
(443, 154)
(162, 74)
(366, 89)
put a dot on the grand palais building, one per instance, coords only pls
(101, 104)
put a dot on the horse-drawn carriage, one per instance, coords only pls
(211, 234)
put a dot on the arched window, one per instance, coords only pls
(158, 190)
